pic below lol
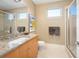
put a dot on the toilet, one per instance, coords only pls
(41, 45)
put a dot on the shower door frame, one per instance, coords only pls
(68, 30)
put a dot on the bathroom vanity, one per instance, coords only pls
(23, 47)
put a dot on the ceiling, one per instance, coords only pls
(45, 1)
(11, 4)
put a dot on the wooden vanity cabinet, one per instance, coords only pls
(26, 50)
(12, 54)
(33, 48)
(23, 51)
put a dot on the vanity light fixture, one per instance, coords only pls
(17, 1)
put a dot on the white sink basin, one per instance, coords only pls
(17, 42)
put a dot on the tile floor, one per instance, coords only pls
(53, 51)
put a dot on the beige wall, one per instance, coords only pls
(30, 6)
(43, 23)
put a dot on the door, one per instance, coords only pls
(71, 28)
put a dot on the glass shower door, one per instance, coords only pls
(71, 29)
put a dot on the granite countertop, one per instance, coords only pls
(10, 45)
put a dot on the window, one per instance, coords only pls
(54, 12)
(22, 15)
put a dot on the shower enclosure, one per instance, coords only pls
(71, 28)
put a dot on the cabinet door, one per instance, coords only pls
(23, 51)
(13, 54)
(33, 48)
